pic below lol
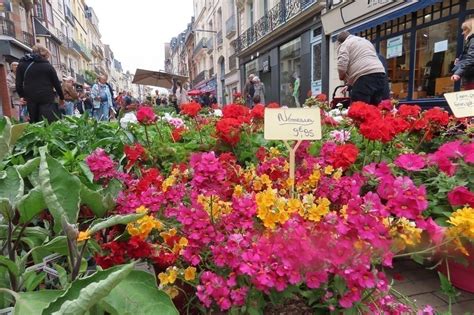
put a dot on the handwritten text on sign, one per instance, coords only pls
(461, 103)
(292, 124)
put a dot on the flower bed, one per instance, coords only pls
(206, 203)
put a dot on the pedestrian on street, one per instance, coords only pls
(36, 82)
(360, 67)
(249, 91)
(259, 89)
(70, 95)
(181, 94)
(101, 94)
(464, 65)
(17, 102)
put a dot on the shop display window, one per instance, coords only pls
(396, 51)
(290, 71)
(434, 59)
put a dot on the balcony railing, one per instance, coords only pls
(69, 15)
(7, 27)
(233, 62)
(28, 39)
(201, 45)
(230, 27)
(275, 18)
(203, 75)
(219, 39)
(85, 52)
(210, 45)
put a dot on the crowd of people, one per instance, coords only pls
(37, 93)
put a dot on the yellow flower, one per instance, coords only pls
(314, 177)
(328, 170)
(172, 292)
(167, 183)
(167, 235)
(337, 174)
(463, 223)
(274, 152)
(168, 277)
(257, 185)
(294, 205)
(266, 180)
(83, 235)
(189, 273)
(238, 191)
(141, 209)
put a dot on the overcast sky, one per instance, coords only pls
(136, 30)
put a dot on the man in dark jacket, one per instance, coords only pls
(36, 82)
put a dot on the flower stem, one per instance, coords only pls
(147, 137)
(198, 129)
(424, 250)
(158, 131)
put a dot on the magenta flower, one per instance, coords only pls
(461, 196)
(410, 162)
(101, 165)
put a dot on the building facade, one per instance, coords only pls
(16, 39)
(280, 41)
(419, 39)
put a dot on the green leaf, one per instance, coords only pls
(101, 224)
(28, 168)
(12, 187)
(60, 190)
(339, 284)
(446, 286)
(16, 132)
(85, 293)
(34, 302)
(86, 171)
(6, 209)
(31, 205)
(94, 200)
(5, 136)
(11, 265)
(32, 280)
(63, 277)
(138, 294)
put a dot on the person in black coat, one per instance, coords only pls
(464, 65)
(36, 82)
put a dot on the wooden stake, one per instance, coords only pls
(292, 151)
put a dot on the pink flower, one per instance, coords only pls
(467, 151)
(101, 165)
(410, 162)
(435, 232)
(461, 196)
(146, 115)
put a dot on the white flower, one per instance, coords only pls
(217, 112)
(127, 119)
(340, 136)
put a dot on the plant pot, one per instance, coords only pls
(461, 275)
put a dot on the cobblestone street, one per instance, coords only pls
(422, 286)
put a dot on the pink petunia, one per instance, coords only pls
(461, 196)
(410, 162)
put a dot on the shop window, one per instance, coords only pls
(396, 51)
(251, 68)
(290, 71)
(435, 54)
(316, 73)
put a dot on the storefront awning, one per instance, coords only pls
(399, 12)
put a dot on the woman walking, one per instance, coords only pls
(464, 65)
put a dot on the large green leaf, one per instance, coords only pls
(60, 190)
(5, 136)
(94, 200)
(113, 220)
(85, 293)
(34, 302)
(31, 204)
(12, 186)
(138, 294)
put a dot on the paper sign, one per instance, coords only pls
(441, 46)
(461, 103)
(292, 124)
(395, 47)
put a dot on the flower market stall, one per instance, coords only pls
(197, 213)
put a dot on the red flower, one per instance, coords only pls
(409, 111)
(437, 116)
(177, 134)
(273, 105)
(190, 109)
(321, 97)
(239, 112)
(361, 112)
(228, 129)
(163, 260)
(138, 248)
(150, 177)
(261, 154)
(115, 255)
(461, 196)
(258, 112)
(344, 156)
(378, 130)
(134, 153)
(146, 115)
